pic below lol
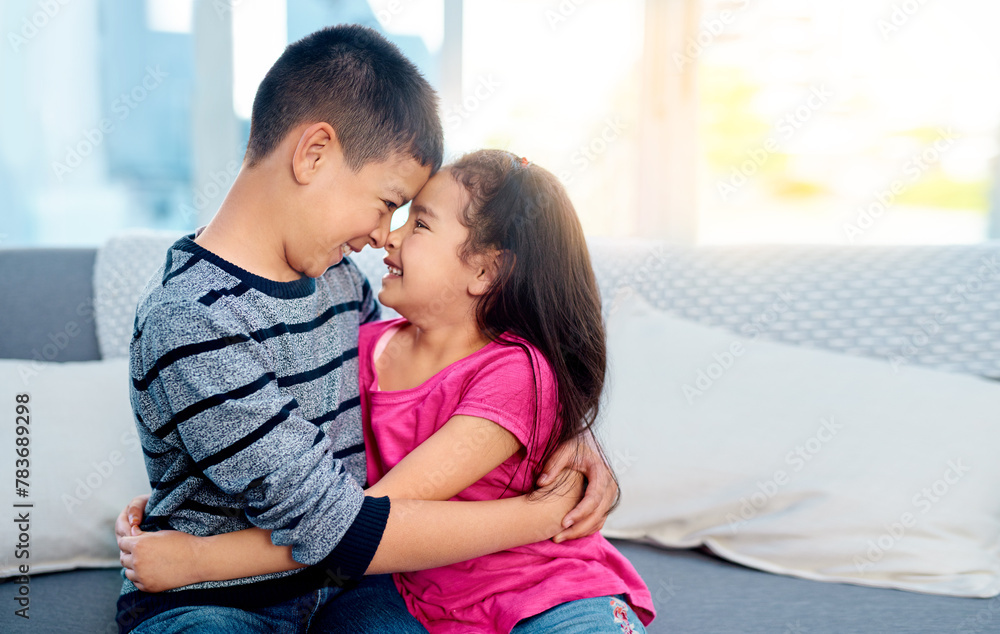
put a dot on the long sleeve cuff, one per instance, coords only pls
(351, 557)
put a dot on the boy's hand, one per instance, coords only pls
(130, 518)
(566, 491)
(569, 485)
(583, 455)
(160, 561)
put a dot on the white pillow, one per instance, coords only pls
(800, 461)
(85, 463)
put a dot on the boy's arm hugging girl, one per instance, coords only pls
(469, 417)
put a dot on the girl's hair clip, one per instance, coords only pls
(524, 161)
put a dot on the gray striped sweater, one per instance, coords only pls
(245, 395)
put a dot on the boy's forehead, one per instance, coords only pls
(407, 176)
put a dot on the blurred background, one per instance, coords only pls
(696, 121)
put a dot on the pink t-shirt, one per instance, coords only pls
(491, 593)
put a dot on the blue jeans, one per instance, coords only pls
(584, 616)
(373, 606)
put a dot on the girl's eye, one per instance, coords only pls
(420, 225)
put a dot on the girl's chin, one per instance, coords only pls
(387, 302)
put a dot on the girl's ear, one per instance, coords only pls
(487, 268)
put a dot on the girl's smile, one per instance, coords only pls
(427, 281)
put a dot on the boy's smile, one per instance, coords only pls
(282, 228)
(350, 210)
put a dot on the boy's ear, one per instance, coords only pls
(487, 269)
(317, 144)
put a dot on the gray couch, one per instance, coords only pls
(40, 290)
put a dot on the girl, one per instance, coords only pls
(499, 359)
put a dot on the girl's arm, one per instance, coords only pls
(428, 534)
(457, 455)
(419, 534)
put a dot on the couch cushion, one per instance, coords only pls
(84, 462)
(78, 601)
(46, 304)
(693, 593)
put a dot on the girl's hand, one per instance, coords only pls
(162, 560)
(585, 456)
(130, 518)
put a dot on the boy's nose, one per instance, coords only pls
(394, 239)
(378, 237)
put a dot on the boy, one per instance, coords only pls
(244, 357)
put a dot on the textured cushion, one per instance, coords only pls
(122, 268)
(934, 306)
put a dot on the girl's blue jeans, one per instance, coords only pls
(599, 615)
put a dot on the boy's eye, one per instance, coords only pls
(420, 225)
(391, 206)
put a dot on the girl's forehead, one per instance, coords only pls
(443, 195)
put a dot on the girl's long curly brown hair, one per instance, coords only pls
(544, 291)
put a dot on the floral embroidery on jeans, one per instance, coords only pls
(620, 611)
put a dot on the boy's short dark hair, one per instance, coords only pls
(361, 84)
